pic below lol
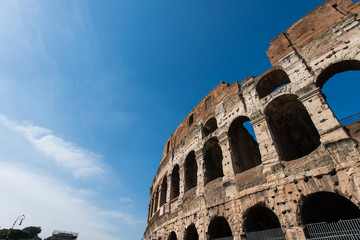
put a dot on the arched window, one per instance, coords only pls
(163, 191)
(327, 209)
(338, 84)
(245, 150)
(210, 126)
(261, 221)
(172, 236)
(190, 171)
(191, 233)
(219, 228)
(213, 160)
(335, 68)
(292, 128)
(175, 181)
(271, 81)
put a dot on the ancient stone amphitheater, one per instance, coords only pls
(299, 178)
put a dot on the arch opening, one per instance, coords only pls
(210, 126)
(175, 182)
(163, 191)
(191, 233)
(219, 228)
(260, 222)
(337, 83)
(293, 131)
(327, 207)
(331, 212)
(213, 160)
(190, 171)
(245, 149)
(271, 82)
(172, 236)
(336, 68)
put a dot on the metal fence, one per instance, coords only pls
(343, 230)
(351, 119)
(268, 234)
(223, 238)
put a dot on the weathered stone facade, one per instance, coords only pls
(215, 178)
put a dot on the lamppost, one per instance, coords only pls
(19, 218)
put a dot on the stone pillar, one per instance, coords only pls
(199, 155)
(322, 116)
(168, 188)
(157, 199)
(181, 181)
(269, 156)
(227, 165)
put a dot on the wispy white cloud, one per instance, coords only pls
(48, 203)
(80, 162)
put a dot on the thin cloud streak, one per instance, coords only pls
(48, 203)
(80, 162)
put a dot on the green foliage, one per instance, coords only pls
(28, 233)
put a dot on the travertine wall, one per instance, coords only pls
(301, 148)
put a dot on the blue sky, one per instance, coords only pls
(91, 90)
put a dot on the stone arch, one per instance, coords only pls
(293, 131)
(172, 236)
(340, 79)
(322, 209)
(245, 149)
(327, 207)
(191, 233)
(270, 81)
(210, 126)
(334, 68)
(259, 219)
(163, 191)
(213, 160)
(175, 182)
(219, 228)
(190, 171)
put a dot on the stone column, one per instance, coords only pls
(181, 181)
(322, 116)
(199, 155)
(227, 165)
(168, 178)
(269, 156)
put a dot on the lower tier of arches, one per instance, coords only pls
(289, 208)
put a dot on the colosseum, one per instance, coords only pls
(298, 175)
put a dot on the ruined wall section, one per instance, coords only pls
(203, 111)
(311, 27)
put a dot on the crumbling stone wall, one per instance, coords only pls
(301, 156)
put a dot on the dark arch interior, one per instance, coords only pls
(294, 133)
(172, 236)
(219, 228)
(271, 82)
(260, 218)
(191, 233)
(327, 207)
(336, 68)
(244, 148)
(163, 191)
(190, 171)
(213, 160)
(175, 181)
(210, 126)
